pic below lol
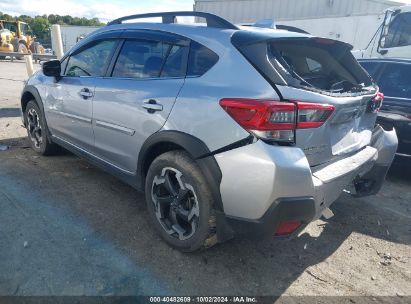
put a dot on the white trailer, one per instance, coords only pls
(71, 34)
(352, 21)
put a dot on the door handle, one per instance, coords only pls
(152, 106)
(85, 93)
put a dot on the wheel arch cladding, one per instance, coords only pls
(164, 141)
(30, 93)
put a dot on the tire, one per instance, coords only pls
(37, 130)
(185, 219)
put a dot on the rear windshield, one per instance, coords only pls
(315, 64)
(318, 63)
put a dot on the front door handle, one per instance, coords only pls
(85, 93)
(152, 106)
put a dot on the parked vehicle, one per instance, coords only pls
(394, 78)
(17, 36)
(228, 130)
(393, 38)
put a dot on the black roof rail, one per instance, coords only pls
(170, 17)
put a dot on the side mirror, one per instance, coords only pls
(52, 68)
(382, 42)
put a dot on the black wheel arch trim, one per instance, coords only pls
(35, 93)
(199, 151)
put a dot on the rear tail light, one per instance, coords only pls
(287, 227)
(376, 103)
(276, 120)
(312, 115)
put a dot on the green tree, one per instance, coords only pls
(40, 25)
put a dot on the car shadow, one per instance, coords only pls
(116, 215)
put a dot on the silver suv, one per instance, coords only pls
(228, 130)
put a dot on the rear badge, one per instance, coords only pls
(314, 150)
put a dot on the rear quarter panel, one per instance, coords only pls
(197, 110)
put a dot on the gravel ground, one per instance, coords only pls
(67, 228)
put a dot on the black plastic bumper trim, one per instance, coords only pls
(296, 208)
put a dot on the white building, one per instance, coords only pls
(352, 21)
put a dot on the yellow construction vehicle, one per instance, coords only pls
(16, 36)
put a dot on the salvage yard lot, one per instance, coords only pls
(67, 228)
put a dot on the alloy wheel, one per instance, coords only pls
(175, 204)
(34, 128)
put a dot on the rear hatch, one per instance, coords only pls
(307, 69)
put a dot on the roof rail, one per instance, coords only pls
(170, 17)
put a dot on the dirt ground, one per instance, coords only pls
(67, 228)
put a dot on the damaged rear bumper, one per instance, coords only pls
(361, 174)
(264, 186)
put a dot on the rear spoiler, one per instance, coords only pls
(269, 23)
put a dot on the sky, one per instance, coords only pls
(105, 10)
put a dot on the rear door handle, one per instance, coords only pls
(85, 93)
(152, 106)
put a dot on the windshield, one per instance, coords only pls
(11, 26)
(24, 28)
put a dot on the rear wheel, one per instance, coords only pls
(180, 203)
(37, 130)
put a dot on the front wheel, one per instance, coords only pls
(180, 203)
(37, 130)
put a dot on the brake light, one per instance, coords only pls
(276, 120)
(287, 227)
(376, 103)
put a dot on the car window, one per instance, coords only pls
(91, 61)
(316, 63)
(313, 65)
(395, 81)
(176, 63)
(200, 59)
(148, 59)
(370, 67)
(399, 33)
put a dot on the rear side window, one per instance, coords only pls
(148, 59)
(395, 81)
(200, 59)
(176, 62)
(92, 61)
